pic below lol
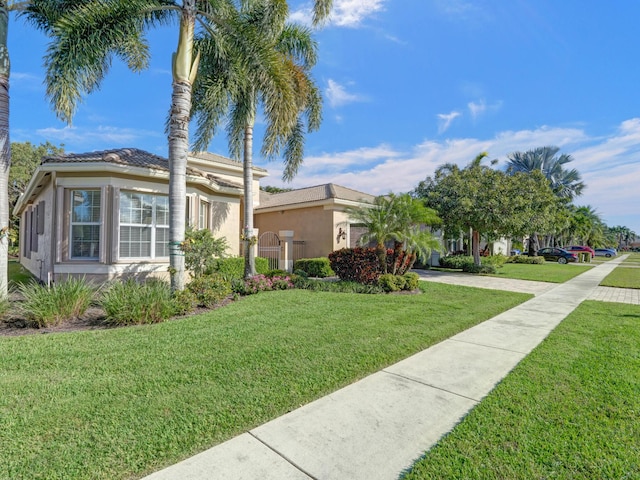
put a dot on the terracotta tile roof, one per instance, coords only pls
(214, 157)
(312, 194)
(136, 158)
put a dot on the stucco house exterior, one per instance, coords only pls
(314, 215)
(105, 214)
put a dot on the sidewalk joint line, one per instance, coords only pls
(284, 457)
(491, 346)
(432, 386)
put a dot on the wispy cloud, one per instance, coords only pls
(80, 138)
(445, 119)
(345, 13)
(26, 81)
(383, 168)
(337, 94)
(476, 109)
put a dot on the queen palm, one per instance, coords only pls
(295, 54)
(92, 32)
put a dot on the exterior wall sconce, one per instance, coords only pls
(342, 234)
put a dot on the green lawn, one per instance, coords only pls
(17, 274)
(569, 411)
(633, 258)
(120, 403)
(547, 272)
(623, 277)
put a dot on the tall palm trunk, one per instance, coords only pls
(184, 71)
(475, 246)
(5, 149)
(249, 259)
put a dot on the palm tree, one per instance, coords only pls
(396, 218)
(92, 32)
(295, 54)
(565, 184)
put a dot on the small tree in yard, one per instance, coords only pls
(201, 250)
(397, 218)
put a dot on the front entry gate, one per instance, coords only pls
(269, 248)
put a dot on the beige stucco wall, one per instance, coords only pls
(317, 226)
(39, 262)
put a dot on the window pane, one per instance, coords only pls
(162, 210)
(85, 206)
(85, 241)
(162, 242)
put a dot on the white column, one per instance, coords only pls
(286, 250)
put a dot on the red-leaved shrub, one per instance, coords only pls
(356, 264)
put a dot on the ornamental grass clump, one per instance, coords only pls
(133, 303)
(49, 306)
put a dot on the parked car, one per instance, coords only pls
(560, 255)
(515, 251)
(605, 252)
(581, 248)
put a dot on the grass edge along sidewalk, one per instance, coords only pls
(124, 402)
(568, 410)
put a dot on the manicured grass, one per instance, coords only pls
(568, 411)
(622, 277)
(633, 258)
(121, 403)
(547, 272)
(17, 274)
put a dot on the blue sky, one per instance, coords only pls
(409, 85)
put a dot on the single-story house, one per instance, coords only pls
(106, 214)
(315, 215)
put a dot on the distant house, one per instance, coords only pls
(106, 214)
(315, 215)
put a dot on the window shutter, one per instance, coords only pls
(34, 230)
(41, 213)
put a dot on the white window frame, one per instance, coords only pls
(73, 223)
(154, 226)
(204, 213)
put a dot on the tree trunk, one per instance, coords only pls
(476, 247)
(5, 150)
(532, 245)
(184, 69)
(249, 258)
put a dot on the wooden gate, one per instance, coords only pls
(269, 248)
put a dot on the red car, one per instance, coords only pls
(581, 248)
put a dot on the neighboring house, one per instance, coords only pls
(315, 215)
(105, 214)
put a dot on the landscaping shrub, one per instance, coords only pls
(314, 267)
(184, 301)
(4, 306)
(129, 302)
(473, 268)
(455, 261)
(261, 283)
(202, 250)
(525, 259)
(412, 280)
(301, 273)
(276, 273)
(47, 306)
(233, 268)
(356, 264)
(399, 261)
(393, 283)
(210, 290)
(496, 260)
(335, 287)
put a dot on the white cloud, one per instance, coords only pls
(476, 109)
(610, 165)
(445, 119)
(345, 13)
(100, 137)
(338, 95)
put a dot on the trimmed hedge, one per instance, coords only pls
(455, 261)
(394, 283)
(233, 267)
(473, 268)
(314, 267)
(526, 259)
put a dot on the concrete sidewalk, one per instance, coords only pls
(377, 427)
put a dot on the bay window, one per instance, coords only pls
(85, 224)
(144, 225)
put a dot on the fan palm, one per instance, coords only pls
(92, 32)
(293, 54)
